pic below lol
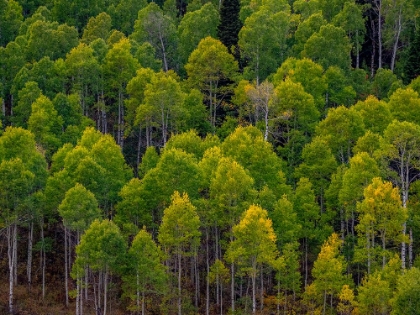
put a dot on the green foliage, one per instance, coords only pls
(79, 208)
(318, 164)
(341, 129)
(262, 40)
(179, 232)
(306, 72)
(97, 27)
(195, 26)
(145, 273)
(209, 65)
(247, 146)
(385, 83)
(157, 28)
(328, 271)
(376, 114)
(254, 241)
(101, 248)
(163, 79)
(176, 167)
(230, 191)
(10, 20)
(338, 53)
(374, 295)
(404, 105)
(406, 298)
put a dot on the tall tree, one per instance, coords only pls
(78, 209)
(382, 216)
(341, 129)
(163, 96)
(157, 28)
(120, 61)
(10, 20)
(230, 24)
(146, 274)
(24, 172)
(195, 26)
(328, 271)
(399, 155)
(179, 235)
(333, 37)
(102, 249)
(406, 298)
(15, 185)
(208, 66)
(318, 164)
(254, 244)
(262, 41)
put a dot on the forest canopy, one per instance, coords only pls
(209, 157)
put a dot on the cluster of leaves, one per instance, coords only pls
(187, 147)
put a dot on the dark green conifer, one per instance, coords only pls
(412, 65)
(230, 24)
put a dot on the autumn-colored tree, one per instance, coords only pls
(328, 271)
(254, 244)
(179, 235)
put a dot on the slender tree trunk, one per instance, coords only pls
(325, 302)
(396, 40)
(197, 281)
(254, 280)
(179, 285)
(221, 299)
(266, 123)
(120, 136)
(232, 288)
(143, 304)
(262, 290)
(29, 261)
(15, 245)
(165, 61)
(77, 294)
(373, 55)
(105, 289)
(257, 66)
(86, 280)
(278, 296)
(10, 254)
(379, 4)
(403, 248)
(66, 269)
(43, 257)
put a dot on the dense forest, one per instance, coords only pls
(210, 157)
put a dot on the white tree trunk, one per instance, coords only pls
(10, 251)
(29, 261)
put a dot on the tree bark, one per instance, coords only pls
(29, 261)
(66, 270)
(10, 254)
(396, 40)
(179, 285)
(232, 288)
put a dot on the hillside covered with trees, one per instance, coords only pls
(209, 157)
